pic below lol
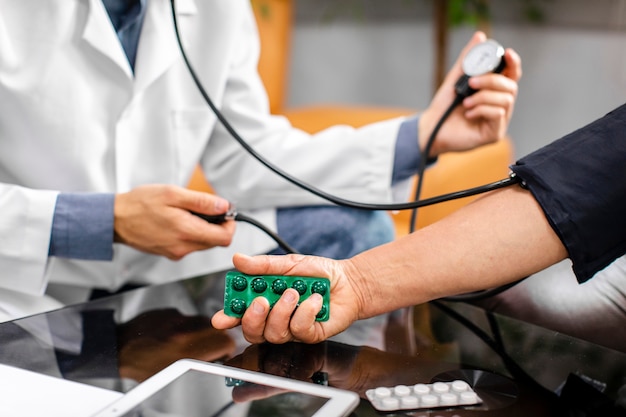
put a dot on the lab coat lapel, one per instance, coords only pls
(99, 33)
(158, 49)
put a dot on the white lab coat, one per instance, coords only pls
(74, 118)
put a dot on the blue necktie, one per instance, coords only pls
(127, 18)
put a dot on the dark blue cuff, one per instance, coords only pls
(407, 156)
(82, 227)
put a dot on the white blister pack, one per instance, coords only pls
(423, 396)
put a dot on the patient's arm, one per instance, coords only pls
(498, 239)
(495, 240)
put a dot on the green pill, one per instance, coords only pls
(299, 286)
(319, 287)
(238, 306)
(279, 286)
(241, 289)
(259, 285)
(239, 283)
(322, 312)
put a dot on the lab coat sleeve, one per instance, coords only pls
(351, 163)
(24, 249)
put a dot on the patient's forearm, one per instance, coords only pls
(495, 240)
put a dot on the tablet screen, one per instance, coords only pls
(197, 393)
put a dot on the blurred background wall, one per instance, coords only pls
(382, 52)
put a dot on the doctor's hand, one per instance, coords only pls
(157, 219)
(481, 118)
(284, 323)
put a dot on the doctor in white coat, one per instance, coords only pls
(98, 139)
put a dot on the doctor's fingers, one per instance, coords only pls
(197, 201)
(178, 234)
(496, 83)
(501, 102)
(195, 234)
(513, 68)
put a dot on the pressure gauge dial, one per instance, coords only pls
(487, 56)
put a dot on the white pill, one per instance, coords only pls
(382, 392)
(401, 390)
(459, 385)
(423, 396)
(421, 389)
(430, 400)
(449, 399)
(409, 401)
(391, 403)
(469, 397)
(440, 387)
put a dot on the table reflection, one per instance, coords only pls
(518, 369)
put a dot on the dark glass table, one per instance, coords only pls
(518, 369)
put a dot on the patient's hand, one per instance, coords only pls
(284, 323)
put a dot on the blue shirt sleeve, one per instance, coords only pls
(82, 226)
(407, 155)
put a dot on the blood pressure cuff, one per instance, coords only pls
(580, 182)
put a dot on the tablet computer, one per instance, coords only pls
(194, 388)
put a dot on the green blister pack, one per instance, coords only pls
(241, 289)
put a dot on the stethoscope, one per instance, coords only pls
(483, 58)
(475, 59)
(488, 56)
